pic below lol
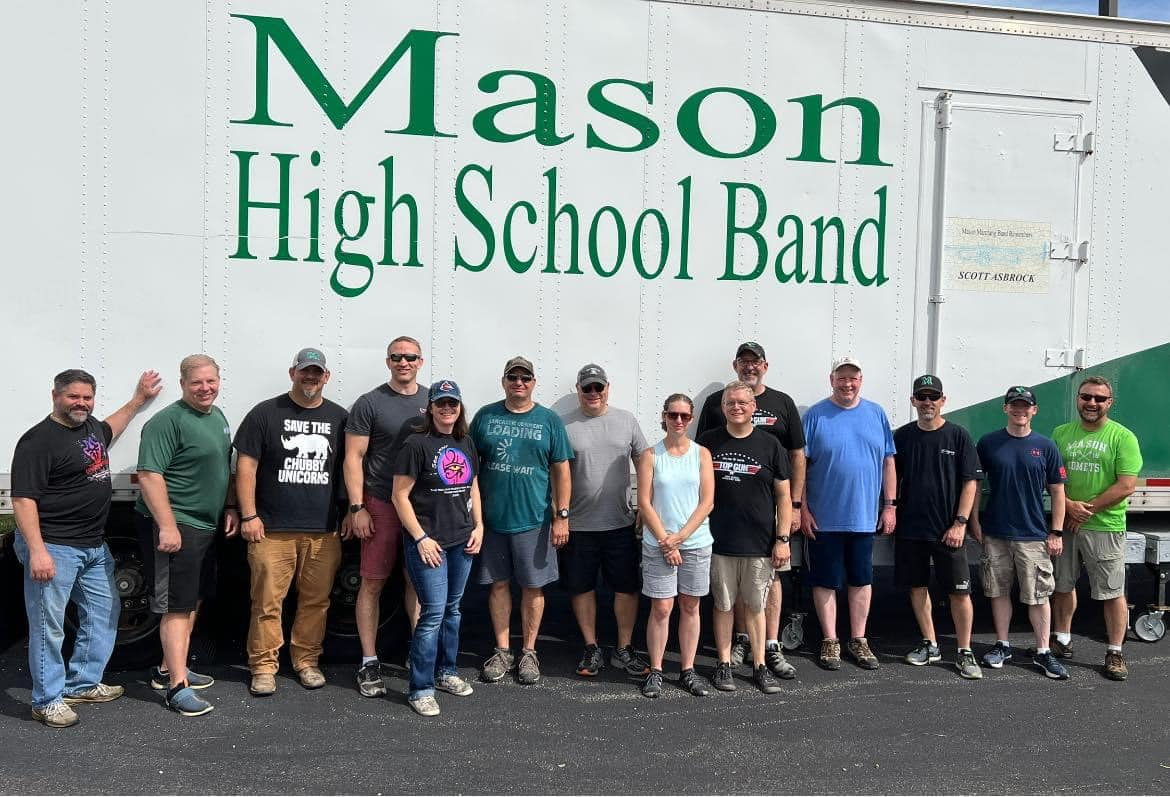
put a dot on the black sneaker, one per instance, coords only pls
(780, 666)
(592, 661)
(694, 683)
(766, 681)
(722, 679)
(629, 660)
(369, 680)
(653, 685)
(1050, 665)
(741, 648)
(998, 654)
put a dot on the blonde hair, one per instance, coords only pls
(736, 385)
(193, 361)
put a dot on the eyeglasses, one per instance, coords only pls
(738, 403)
(593, 388)
(408, 357)
(525, 378)
(927, 396)
(1089, 397)
(754, 362)
(678, 416)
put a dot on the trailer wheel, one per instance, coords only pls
(342, 622)
(1149, 627)
(792, 637)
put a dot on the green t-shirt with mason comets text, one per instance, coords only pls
(1094, 460)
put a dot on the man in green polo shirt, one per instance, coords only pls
(184, 464)
(1103, 459)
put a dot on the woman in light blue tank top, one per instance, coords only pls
(676, 491)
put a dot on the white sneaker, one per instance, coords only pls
(56, 715)
(454, 684)
(425, 706)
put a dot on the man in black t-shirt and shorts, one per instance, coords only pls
(938, 475)
(750, 524)
(776, 414)
(373, 438)
(290, 451)
(61, 495)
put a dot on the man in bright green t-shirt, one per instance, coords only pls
(1103, 460)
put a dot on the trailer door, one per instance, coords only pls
(1003, 189)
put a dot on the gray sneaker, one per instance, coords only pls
(926, 653)
(453, 684)
(528, 671)
(425, 706)
(967, 666)
(102, 693)
(780, 666)
(55, 715)
(741, 648)
(498, 665)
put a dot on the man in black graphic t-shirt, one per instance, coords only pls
(289, 485)
(750, 524)
(61, 497)
(937, 481)
(776, 414)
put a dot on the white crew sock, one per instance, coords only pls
(1063, 637)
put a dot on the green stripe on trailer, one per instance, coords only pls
(1141, 383)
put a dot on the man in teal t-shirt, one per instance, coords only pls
(1103, 459)
(524, 483)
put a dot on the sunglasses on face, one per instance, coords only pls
(1090, 398)
(446, 403)
(408, 357)
(593, 388)
(678, 416)
(525, 378)
(928, 396)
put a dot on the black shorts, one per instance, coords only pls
(912, 560)
(176, 582)
(617, 554)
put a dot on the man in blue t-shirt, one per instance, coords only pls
(850, 451)
(1018, 542)
(524, 483)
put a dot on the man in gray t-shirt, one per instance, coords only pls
(373, 438)
(605, 442)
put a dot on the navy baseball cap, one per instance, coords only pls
(444, 388)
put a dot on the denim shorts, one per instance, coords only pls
(692, 577)
(837, 558)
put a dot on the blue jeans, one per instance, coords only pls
(435, 646)
(85, 576)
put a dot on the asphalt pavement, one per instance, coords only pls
(900, 729)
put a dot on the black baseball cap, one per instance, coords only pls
(927, 382)
(1019, 393)
(752, 347)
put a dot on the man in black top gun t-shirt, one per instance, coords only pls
(776, 414)
(289, 485)
(750, 525)
(61, 496)
(937, 481)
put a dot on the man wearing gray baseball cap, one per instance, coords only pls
(290, 454)
(606, 442)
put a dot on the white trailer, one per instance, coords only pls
(975, 192)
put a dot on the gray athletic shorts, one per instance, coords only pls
(692, 577)
(526, 557)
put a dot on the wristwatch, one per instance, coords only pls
(889, 502)
(563, 513)
(355, 508)
(784, 538)
(1056, 532)
(961, 520)
(797, 504)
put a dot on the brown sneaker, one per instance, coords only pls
(1115, 669)
(263, 684)
(102, 693)
(1059, 649)
(859, 651)
(830, 657)
(311, 677)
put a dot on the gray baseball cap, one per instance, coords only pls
(307, 358)
(592, 374)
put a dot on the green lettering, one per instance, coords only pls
(554, 214)
(515, 263)
(820, 225)
(477, 219)
(391, 204)
(879, 226)
(246, 203)
(796, 243)
(646, 128)
(543, 100)
(345, 258)
(691, 132)
(663, 243)
(620, 234)
(752, 231)
(814, 112)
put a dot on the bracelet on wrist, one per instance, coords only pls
(247, 518)
(1056, 532)
(420, 539)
